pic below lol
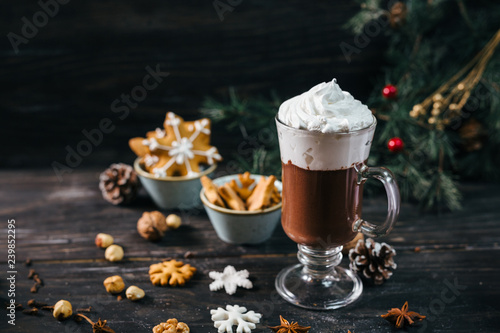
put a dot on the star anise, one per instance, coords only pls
(401, 317)
(286, 327)
(98, 327)
(101, 327)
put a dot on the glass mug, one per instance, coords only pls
(323, 177)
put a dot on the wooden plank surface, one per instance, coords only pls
(57, 222)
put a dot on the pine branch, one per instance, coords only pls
(370, 10)
(253, 120)
(431, 47)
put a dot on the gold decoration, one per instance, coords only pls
(437, 98)
(449, 99)
(397, 14)
(417, 108)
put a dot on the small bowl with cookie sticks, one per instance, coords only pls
(244, 208)
(171, 160)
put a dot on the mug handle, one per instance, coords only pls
(393, 200)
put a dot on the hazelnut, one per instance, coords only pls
(135, 293)
(173, 221)
(62, 310)
(114, 253)
(114, 284)
(103, 240)
(152, 225)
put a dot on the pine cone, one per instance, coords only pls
(374, 260)
(472, 135)
(352, 244)
(119, 184)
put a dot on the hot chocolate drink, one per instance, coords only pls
(323, 134)
(315, 215)
(325, 137)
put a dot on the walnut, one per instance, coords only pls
(114, 253)
(152, 225)
(114, 284)
(62, 310)
(173, 221)
(103, 240)
(171, 326)
(135, 293)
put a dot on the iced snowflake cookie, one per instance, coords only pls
(234, 315)
(171, 272)
(230, 279)
(178, 150)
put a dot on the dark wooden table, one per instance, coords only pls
(56, 223)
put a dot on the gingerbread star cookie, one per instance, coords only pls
(246, 182)
(178, 149)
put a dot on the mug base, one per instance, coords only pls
(335, 290)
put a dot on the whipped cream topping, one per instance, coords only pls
(325, 108)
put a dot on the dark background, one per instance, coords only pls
(66, 77)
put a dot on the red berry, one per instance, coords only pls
(395, 145)
(390, 91)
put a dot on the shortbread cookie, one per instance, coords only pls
(245, 179)
(172, 272)
(178, 150)
(243, 192)
(211, 191)
(261, 195)
(231, 198)
(275, 196)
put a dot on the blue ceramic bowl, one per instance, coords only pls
(242, 227)
(173, 192)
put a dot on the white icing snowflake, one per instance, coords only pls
(149, 160)
(234, 315)
(182, 150)
(160, 133)
(230, 279)
(152, 144)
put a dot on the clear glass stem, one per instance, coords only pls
(318, 283)
(319, 263)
